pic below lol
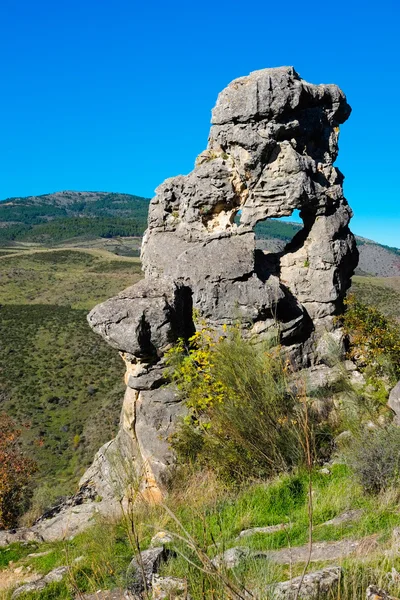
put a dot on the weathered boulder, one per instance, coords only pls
(55, 575)
(314, 586)
(169, 588)
(271, 150)
(231, 558)
(139, 575)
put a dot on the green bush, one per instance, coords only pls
(243, 421)
(375, 339)
(374, 456)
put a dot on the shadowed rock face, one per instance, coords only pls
(271, 149)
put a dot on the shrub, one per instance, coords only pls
(374, 456)
(16, 471)
(375, 339)
(243, 422)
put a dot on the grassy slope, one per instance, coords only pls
(214, 517)
(57, 376)
(382, 292)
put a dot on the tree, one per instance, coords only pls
(16, 472)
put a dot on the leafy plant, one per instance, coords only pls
(243, 422)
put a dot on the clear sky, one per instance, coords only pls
(116, 95)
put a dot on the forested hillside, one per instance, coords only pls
(54, 218)
(90, 217)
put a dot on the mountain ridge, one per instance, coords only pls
(60, 216)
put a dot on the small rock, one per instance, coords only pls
(140, 572)
(56, 574)
(169, 588)
(395, 575)
(38, 554)
(78, 559)
(325, 471)
(117, 594)
(161, 538)
(346, 517)
(357, 378)
(343, 438)
(255, 530)
(375, 593)
(18, 570)
(394, 402)
(350, 365)
(34, 586)
(313, 586)
(231, 557)
(148, 381)
(37, 586)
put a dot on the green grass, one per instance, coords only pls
(66, 278)
(214, 517)
(60, 381)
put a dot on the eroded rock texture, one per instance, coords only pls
(271, 149)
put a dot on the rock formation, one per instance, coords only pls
(271, 149)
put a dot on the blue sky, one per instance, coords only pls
(116, 96)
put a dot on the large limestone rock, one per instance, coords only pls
(271, 150)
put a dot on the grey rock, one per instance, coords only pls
(142, 319)
(157, 412)
(169, 588)
(394, 402)
(314, 586)
(55, 575)
(139, 575)
(321, 551)
(346, 517)
(315, 378)
(231, 557)
(271, 150)
(117, 594)
(38, 554)
(263, 530)
(325, 471)
(23, 534)
(161, 538)
(147, 381)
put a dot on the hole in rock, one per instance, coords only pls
(273, 235)
(184, 325)
(276, 237)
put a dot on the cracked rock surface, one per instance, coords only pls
(271, 150)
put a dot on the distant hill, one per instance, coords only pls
(57, 218)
